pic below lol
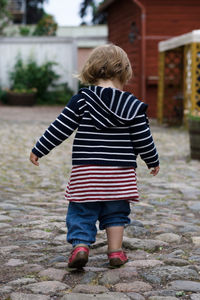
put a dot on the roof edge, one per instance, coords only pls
(180, 40)
(103, 6)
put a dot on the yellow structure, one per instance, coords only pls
(179, 77)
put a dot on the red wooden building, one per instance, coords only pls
(137, 26)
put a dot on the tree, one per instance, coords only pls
(4, 15)
(34, 11)
(97, 18)
(46, 26)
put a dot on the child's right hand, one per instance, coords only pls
(155, 171)
(34, 159)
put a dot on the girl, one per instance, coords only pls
(112, 130)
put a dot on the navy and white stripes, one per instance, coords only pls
(112, 129)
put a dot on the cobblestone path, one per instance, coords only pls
(163, 240)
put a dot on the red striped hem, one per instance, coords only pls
(103, 194)
(78, 200)
(101, 183)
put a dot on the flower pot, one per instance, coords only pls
(194, 133)
(21, 99)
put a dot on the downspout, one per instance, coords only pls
(143, 46)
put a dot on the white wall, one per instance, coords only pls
(59, 49)
(86, 36)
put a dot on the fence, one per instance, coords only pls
(63, 51)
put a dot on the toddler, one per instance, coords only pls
(112, 129)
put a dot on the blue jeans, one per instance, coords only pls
(82, 217)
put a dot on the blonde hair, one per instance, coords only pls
(106, 62)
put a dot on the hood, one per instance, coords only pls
(110, 107)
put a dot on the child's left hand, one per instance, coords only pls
(34, 159)
(155, 171)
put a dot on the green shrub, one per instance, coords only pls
(60, 96)
(24, 30)
(3, 97)
(46, 26)
(42, 79)
(31, 75)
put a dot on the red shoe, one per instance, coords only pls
(79, 256)
(117, 258)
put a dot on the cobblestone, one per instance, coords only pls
(162, 241)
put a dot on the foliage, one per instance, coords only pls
(97, 18)
(81, 85)
(29, 78)
(195, 115)
(59, 96)
(24, 30)
(2, 95)
(31, 75)
(34, 11)
(20, 89)
(46, 26)
(4, 15)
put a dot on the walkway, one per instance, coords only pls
(163, 240)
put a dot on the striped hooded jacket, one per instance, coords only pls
(112, 129)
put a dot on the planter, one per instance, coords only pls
(21, 99)
(194, 133)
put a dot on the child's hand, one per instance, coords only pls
(155, 171)
(34, 159)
